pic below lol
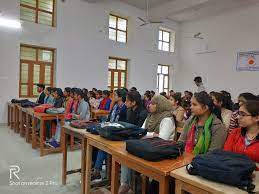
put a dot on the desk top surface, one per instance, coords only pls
(208, 185)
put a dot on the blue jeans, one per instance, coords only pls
(101, 156)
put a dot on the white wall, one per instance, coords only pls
(83, 47)
(227, 34)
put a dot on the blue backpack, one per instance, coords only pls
(224, 167)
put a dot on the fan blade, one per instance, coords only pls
(144, 24)
(156, 22)
(142, 19)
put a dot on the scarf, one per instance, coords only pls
(203, 143)
(163, 110)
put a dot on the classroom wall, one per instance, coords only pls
(227, 33)
(83, 47)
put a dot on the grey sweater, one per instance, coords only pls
(218, 133)
(83, 110)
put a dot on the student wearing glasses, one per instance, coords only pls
(245, 139)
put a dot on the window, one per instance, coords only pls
(166, 40)
(36, 66)
(38, 11)
(118, 28)
(162, 78)
(117, 74)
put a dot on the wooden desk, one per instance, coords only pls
(79, 133)
(159, 171)
(28, 120)
(199, 185)
(99, 113)
(16, 117)
(21, 120)
(102, 144)
(43, 117)
(10, 117)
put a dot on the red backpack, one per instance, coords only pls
(42, 108)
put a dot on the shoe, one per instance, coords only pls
(124, 189)
(96, 177)
(54, 144)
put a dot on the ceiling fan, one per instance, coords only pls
(147, 20)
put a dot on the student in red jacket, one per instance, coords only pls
(245, 140)
(106, 102)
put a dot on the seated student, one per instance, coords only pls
(118, 113)
(92, 100)
(147, 100)
(68, 103)
(163, 94)
(178, 110)
(160, 122)
(186, 104)
(83, 110)
(105, 103)
(245, 139)
(242, 98)
(75, 101)
(152, 93)
(136, 115)
(99, 97)
(224, 104)
(204, 131)
(133, 89)
(41, 97)
(58, 97)
(48, 97)
(171, 93)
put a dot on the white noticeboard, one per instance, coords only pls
(248, 61)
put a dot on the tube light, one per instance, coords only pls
(10, 23)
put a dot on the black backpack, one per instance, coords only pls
(120, 131)
(154, 149)
(224, 167)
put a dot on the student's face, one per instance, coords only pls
(76, 97)
(130, 104)
(39, 89)
(241, 101)
(65, 93)
(173, 101)
(172, 93)
(98, 96)
(46, 92)
(105, 96)
(55, 94)
(197, 108)
(116, 98)
(152, 108)
(215, 102)
(245, 119)
(145, 97)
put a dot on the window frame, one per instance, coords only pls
(158, 74)
(31, 64)
(117, 29)
(163, 41)
(111, 87)
(37, 10)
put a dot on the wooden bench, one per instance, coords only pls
(10, 116)
(95, 114)
(198, 185)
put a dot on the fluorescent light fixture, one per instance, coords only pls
(10, 23)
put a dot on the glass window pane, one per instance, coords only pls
(160, 35)
(165, 46)
(24, 73)
(159, 69)
(46, 5)
(164, 69)
(36, 74)
(112, 21)
(31, 3)
(45, 18)
(109, 78)
(35, 92)
(165, 81)
(115, 79)
(112, 64)
(122, 79)
(166, 36)
(122, 24)
(121, 65)
(28, 53)
(24, 90)
(47, 79)
(27, 14)
(112, 34)
(159, 45)
(121, 36)
(161, 82)
(45, 55)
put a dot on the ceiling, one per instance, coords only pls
(187, 10)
